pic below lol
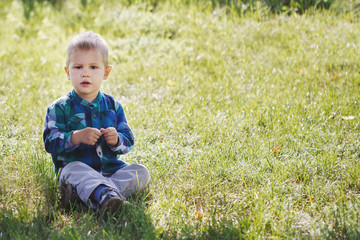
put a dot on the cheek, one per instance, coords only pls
(75, 74)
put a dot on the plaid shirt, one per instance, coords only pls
(71, 113)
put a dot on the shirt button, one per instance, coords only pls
(94, 115)
(88, 104)
(100, 153)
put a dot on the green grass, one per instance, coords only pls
(249, 125)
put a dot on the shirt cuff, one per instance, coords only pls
(117, 147)
(68, 144)
(120, 147)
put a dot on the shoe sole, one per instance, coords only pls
(113, 205)
(68, 196)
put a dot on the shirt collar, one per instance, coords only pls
(85, 103)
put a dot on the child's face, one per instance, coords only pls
(86, 71)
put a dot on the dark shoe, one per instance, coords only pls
(110, 202)
(70, 196)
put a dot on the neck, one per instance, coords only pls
(89, 98)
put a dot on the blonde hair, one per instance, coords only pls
(88, 41)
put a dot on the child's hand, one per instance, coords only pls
(111, 135)
(87, 136)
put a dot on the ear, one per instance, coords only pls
(107, 71)
(67, 72)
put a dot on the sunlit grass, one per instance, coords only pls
(249, 126)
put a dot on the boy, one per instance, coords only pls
(86, 131)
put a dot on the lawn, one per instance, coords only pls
(249, 125)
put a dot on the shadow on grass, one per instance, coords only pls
(49, 220)
(78, 223)
(216, 230)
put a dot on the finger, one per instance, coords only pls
(109, 138)
(104, 132)
(111, 143)
(93, 136)
(91, 142)
(98, 132)
(108, 133)
(109, 129)
(113, 138)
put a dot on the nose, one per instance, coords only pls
(85, 74)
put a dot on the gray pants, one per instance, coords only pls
(126, 181)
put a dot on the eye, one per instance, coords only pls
(78, 67)
(93, 67)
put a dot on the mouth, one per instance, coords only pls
(85, 83)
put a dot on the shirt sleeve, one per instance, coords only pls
(56, 139)
(126, 137)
